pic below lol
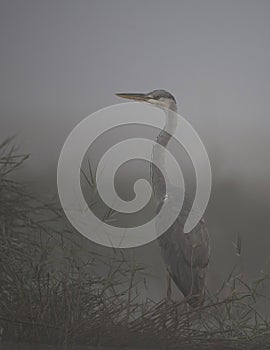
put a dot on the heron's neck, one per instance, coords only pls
(169, 129)
(159, 152)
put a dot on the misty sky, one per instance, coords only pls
(63, 60)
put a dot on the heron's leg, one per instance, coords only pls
(169, 287)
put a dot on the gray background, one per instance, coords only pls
(63, 60)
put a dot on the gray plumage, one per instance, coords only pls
(186, 255)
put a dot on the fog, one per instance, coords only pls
(63, 60)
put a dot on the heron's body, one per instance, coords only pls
(186, 255)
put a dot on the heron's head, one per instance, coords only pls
(159, 98)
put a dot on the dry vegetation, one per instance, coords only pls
(50, 295)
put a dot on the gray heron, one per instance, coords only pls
(186, 255)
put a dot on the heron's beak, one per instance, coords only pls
(134, 96)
